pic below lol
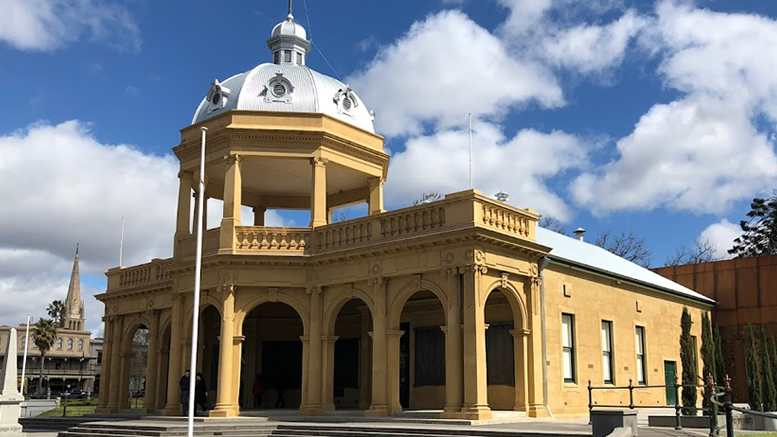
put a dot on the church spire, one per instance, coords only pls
(74, 306)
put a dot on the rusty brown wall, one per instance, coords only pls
(746, 292)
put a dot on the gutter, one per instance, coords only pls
(543, 262)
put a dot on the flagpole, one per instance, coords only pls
(24, 360)
(197, 272)
(470, 150)
(121, 242)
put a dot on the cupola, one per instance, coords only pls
(288, 42)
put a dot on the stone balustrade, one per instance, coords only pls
(272, 240)
(144, 274)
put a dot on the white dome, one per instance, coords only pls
(285, 88)
(289, 28)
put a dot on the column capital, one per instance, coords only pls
(329, 338)
(394, 333)
(185, 174)
(319, 161)
(375, 182)
(517, 333)
(233, 158)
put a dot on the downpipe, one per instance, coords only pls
(543, 262)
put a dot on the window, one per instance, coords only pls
(300, 59)
(24, 342)
(607, 358)
(59, 343)
(640, 336)
(80, 345)
(568, 345)
(287, 56)
(70, 344)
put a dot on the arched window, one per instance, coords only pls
(70, 344)
(80, 345)
(24, 342)
(59, 343)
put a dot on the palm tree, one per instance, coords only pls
(56, 311)
(44, 334)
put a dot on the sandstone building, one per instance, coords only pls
(454, 305)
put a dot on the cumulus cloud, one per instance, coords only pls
(44, 25)
(521, 166)
(704, 150)
(61, 186)
(721, 237)
(443, 68)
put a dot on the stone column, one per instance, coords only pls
(328, 361)
(379, 406)
(454, 355)
(102, 402)
(259, 212)
(224, 407)
(364, 360)
(10, 399)
(375, 202)
(475, 383)
(114, 378)
(184, 204)
(303, 405)
(153, 363)
(392, 362)
(318, 193)
(195, 198)
(535, 406)
(520, 341)
(315, 365)
(126, 363)
(233, 187)
(173, 407)
(237, 350)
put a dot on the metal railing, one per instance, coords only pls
(729, 409)
(678, 407)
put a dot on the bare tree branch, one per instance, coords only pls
(627, 245)
(430, 196)
(701, 252)
(552, 224)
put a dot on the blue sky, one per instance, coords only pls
(653, 117)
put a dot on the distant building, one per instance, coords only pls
(74, 359)
(745, 291)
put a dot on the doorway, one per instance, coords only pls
(670, 373)
(404, 366)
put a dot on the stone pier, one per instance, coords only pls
(10, 399)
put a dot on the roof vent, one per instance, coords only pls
(580, 233)
(502, 196)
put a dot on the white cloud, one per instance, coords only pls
(62, 187)
(705, 150)
(44, 25)
(443, 68)
(520, 166)
(721, 236)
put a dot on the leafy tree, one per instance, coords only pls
(688, 359)
(720, 363)
(759, 230)
(552, 224)
(627, 245)
(428, 197)
(707, 356)
(769, 394)
(754, 390)
(702, 252)
(44, 334)
(56, 311)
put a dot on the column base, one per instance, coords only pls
(225, 411)
(452, 413)
(151, 410)
(172, 410)
(328, 406)
(537, 411)
(478, 412)
(378, 411)
(311, 411)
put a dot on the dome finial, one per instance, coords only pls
(290, 15)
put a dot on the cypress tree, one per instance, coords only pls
(769, 394)
(753, 373)
(720, 363)
(707, 356)
(688, 359)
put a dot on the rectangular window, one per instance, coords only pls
(568, 345)
(287, 56)
(640, 336)
(607, 358)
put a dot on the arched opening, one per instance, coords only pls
(271, 362)
(208, 353)
(351, 358)
(422, 352)
(164, 369)
(138, 365)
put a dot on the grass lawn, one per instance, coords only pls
(71, 411)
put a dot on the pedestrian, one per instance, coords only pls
(200, 393)
(258, 390)
(280, 387)
(184, 386)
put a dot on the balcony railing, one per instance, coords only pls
(272, 240)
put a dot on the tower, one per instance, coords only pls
(74, 306)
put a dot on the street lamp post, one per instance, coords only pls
(24, 360)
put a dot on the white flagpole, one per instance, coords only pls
(24, 360)
(470, 150)
(121, 242)
(197, 272)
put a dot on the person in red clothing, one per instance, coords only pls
(258, 390)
